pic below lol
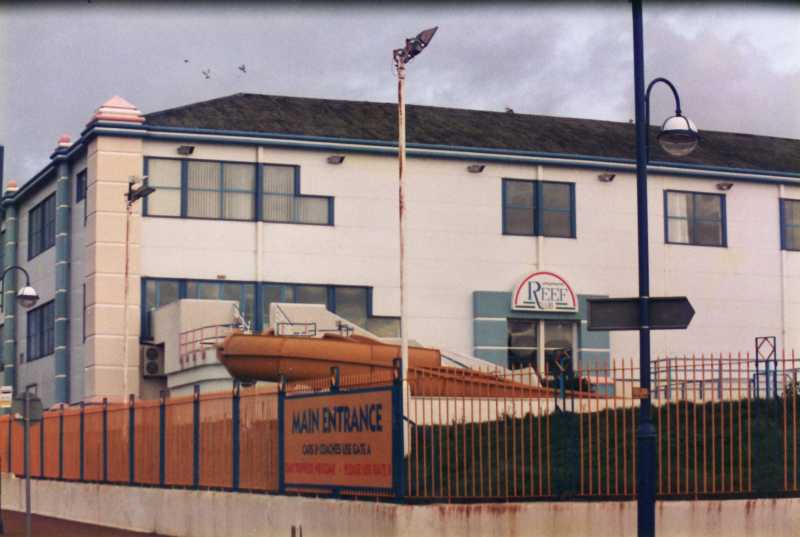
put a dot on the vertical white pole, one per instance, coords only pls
(401, 148)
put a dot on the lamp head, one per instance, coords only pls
(27, 297)
(415, 45)
(678, 136)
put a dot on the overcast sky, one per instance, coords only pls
(737, 66)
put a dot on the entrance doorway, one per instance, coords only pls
(544, 345)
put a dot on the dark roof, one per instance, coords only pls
(469, 128)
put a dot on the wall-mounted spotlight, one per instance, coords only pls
(185, 149)
(724, 186)
(606, 177)
(476, 168)
(138, 189)
(335, 159)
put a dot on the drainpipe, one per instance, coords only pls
(63, 234)
(782, 252)
(9, 288)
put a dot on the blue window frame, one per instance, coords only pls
(544, 208)
(790, 224)
(354, 303)
(40, 340)
(80, 186)
(42, 227)
(694, 218)
(191, 188)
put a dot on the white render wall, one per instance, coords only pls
(456, 246)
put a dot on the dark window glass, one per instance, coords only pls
(522, 343)
(538, 208)
(790, 224)
(311, 294)
(83, 313)
(384, 326)
(2, 267)
(157, 293)
(351, 304)
(557, 346)
(695, 218)
(275, 293)
(42, 227)
(40, 339)
(80, 186)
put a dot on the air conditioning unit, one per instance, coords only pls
(152, 360)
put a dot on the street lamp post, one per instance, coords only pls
(401, 57)
(678, 137)
(27, 295)
(27, 298)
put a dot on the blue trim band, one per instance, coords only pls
(414, 149)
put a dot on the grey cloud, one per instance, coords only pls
(59, 62)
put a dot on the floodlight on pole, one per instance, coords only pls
(401, 57)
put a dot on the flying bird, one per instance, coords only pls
(206, 73)
(242, 68)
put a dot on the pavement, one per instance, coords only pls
(44, 526)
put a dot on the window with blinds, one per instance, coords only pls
(695, 218)
(220, 190)
(232, 191)
(282, 201)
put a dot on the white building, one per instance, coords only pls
(249, 207)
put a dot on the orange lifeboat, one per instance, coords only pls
(269, 357)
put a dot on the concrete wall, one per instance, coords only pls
(111, 364)
(183, 513)
(456, 246)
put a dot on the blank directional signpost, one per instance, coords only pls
(666, 313)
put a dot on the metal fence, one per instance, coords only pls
(220, 440)
(726, 425)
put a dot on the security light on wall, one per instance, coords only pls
(335, 159)
(185, 149)
(724, 186)
(476, 168)
(606, 177)
(138, 188)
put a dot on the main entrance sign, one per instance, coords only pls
(339, 439)
(544, 291)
